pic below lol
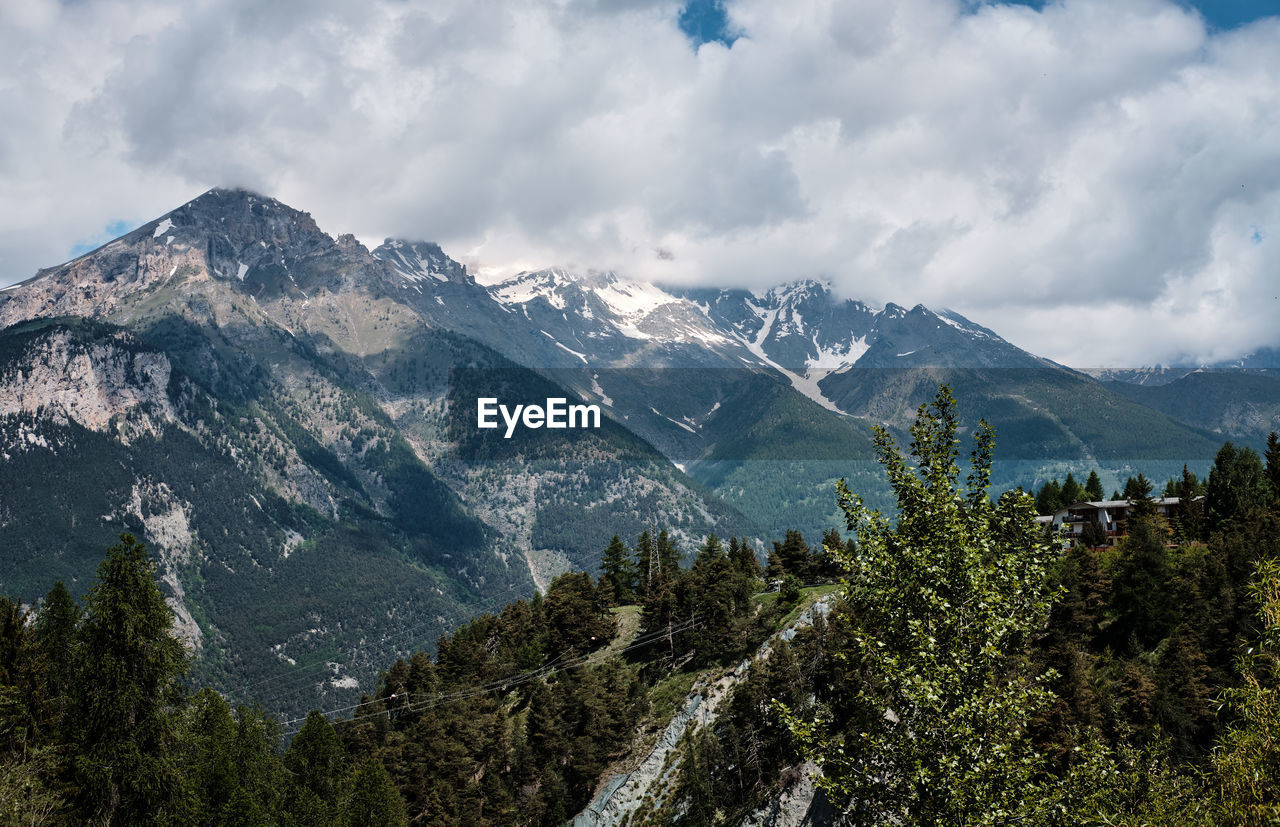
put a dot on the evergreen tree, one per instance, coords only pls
(940, 610)
(1092, 534)
(578, 618)
(23, 702)
(1190, 511)
(646, 564)
(318, 763)
(743, 558)
(1140, 596)
(1049, 500)
(374, 801)
(1071, 491)
(1247, 762)
(826, 564)
(618, 570)
(712, 551)
(1093, 487)
(1137, 489)
(668, 557)
(126, 689)
(1273, 464)
(1237, 485)
(774, 570)
(56, 628)
(208, 762)
(793, 553)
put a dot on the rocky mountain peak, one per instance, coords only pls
(416, 261)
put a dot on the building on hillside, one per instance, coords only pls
(1112, 517)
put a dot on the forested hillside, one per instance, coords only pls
(970, 670)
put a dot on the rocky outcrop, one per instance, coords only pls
(800, 805)
(90, 384)
(655, 774)
(167, 524)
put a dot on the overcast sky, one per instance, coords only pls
(1096, 180)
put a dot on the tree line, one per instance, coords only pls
(971, 671)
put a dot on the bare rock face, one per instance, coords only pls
(251, 243)
(91, 385)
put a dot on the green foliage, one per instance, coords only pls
(1093, 487)
(619, 571)
(1049, 499)
(127, 686)
(1072, 491)
(743, 558)
(1140, 598)
(55, 635)
(1273, 464)
(1246, 763)
(941, 609)
(793, 554)
(790, 592)
(1237, 485)
(374, 801)
(577, 615)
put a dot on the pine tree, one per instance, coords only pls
(55, 633)
(646, 564)
(23, 702)
(793, 552)
(126, 689)
(374, 801)
(1093, 487)
(1092, 534)
(1190, 511)
(1273, 464)
(712, 550)
(826, 565)
(1071, 491)
(1248, 755)
(618, 570)
(1140, 597)
(318, 763)
(1138, 490)
(743, 558)
(1049, 499)
(668, 557)
(774, 570)
(1237, 485)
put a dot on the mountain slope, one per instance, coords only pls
(321, 421)
(1243, 405)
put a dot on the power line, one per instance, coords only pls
(544, 671)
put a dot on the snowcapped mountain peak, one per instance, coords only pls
(604, 305)
(417, 261)
(791, 291)
(529, 285)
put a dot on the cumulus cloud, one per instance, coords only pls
(1098, 181)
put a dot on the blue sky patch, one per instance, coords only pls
(113, 230)
(704, 21)
(1220, 14)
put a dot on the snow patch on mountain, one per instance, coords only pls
(631, 299)
(835, 358)
(525, 287)
(599, 391)
(809, 387)
(581, 356)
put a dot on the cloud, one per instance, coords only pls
(1088, 179)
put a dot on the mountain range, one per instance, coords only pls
(285, 418)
